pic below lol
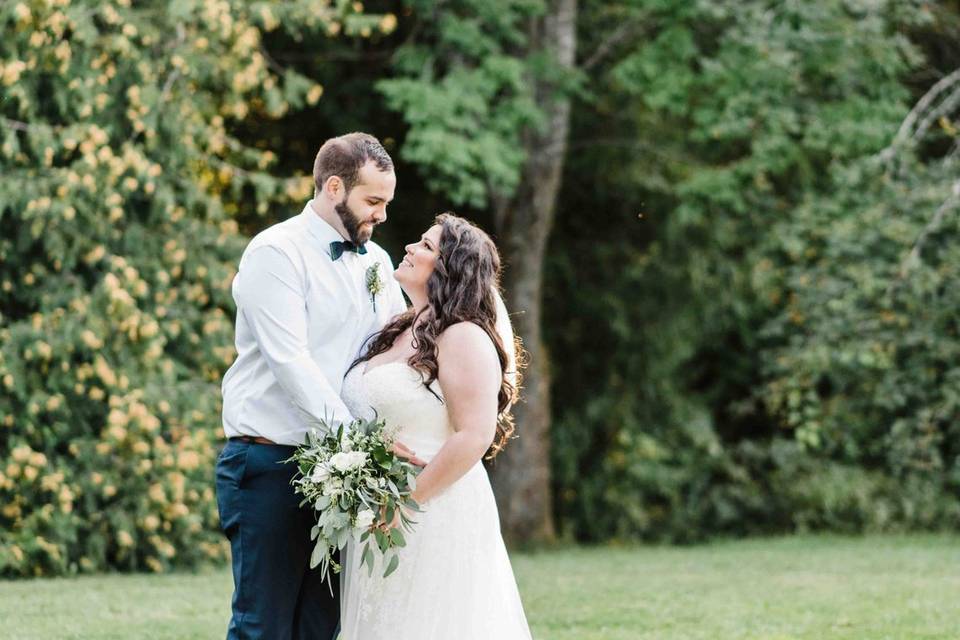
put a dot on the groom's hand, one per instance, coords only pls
(401, 450)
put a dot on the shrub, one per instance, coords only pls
(122, 184)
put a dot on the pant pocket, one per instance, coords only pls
(230, 470)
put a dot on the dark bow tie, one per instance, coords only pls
(337, 247)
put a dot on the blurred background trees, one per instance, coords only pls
(730, 232)
(759, 373)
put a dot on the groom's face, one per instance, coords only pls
(365, 206)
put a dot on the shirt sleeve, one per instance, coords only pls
(271, 297)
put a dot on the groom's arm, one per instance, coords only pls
(271, 298)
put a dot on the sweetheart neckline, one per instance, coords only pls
(367, 370)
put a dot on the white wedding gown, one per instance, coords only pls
(454, 581)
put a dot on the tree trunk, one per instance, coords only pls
(521, 474)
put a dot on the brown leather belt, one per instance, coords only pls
(253, 440)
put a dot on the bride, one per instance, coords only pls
(442, 374)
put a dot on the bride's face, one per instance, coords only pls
(418, 261)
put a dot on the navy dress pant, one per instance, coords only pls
(276, 595)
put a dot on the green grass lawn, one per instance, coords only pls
(788, 588)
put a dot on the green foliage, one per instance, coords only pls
(864, 358)
(761, 365)
(121, 182)
(463, 89)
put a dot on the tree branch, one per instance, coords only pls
(924, 103)
(947, 106)
(909, 131)
(271, 61)
(625, 32)
(168, 85)
(17, 125)
(914, 256)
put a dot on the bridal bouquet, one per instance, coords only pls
(350, 476)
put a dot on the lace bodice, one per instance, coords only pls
(394, 392)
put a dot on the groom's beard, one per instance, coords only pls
(358, 235)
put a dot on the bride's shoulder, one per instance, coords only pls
(466, 343)
(465, 331)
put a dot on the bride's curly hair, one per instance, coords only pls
(460, 289)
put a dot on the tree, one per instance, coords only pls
(471, 98)
(524, 220)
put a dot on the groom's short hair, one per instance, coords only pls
(344, 155)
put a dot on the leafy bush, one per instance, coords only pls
(122, 185)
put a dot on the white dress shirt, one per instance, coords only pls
(302, 319)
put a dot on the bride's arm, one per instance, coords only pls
(469, 376)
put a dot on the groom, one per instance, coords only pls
(304, 308)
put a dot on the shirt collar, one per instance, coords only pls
(319, 227)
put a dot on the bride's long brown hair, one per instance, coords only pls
(460, 289)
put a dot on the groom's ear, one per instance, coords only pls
(333, 187)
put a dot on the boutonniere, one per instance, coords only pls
(374, 283)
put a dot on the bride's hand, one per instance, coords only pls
(401, 450)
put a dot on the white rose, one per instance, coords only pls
(364, 519)
(359, 459)
(348, 461)
(339, 461)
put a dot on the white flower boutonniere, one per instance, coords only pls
(374, 283)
